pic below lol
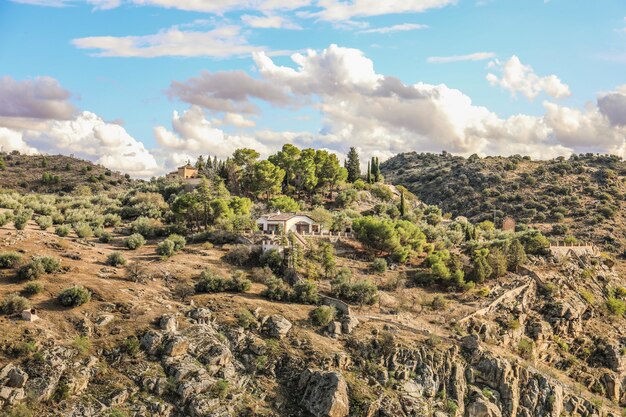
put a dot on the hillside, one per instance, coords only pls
(582, 196)
(156, 300)
(54, 174)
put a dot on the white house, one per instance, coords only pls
(288, 222)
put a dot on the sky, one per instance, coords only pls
(141, 86)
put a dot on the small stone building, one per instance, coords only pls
(288, 222)
(185, 172)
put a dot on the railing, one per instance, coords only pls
(347, 235)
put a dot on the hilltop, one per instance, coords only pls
(54, 174)
(577, 198)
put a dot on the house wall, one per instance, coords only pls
(290, 225)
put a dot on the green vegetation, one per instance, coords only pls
(116, 259)
(135, 241)
(322, 315)
(74, 296)
(32, 288)
(211, 283)
(10, 259)
(14, 304)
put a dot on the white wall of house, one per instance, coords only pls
(306, 224)
(291, 224)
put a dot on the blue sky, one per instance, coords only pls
(551, 63)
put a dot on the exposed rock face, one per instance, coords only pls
(168, 323)
(277, 326)
(325, 393)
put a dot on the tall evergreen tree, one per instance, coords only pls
(369, 173)
(353, 165)
(402, 205)
(375, 169)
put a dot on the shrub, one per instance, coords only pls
(14, 304)
(50, 264)
(135, 241)
(82, 344)
(284, 203)
(32, 288)
(246, 319)
(62, 230)
(587, 296)
(526, 348)
(277, 290)
(362, 292)
(179, 241)
(305, 292)
(240, 255)
(166, 249)
(262, 275)
(4, 219)
(272, 259)
(83, 230)
(44, 222)
(147, 227)
(323, 315)
(21, 219)
(112, 220)
(105, 237)
(31, 270)
(130, 346)
(116, 259)
(220, 389)
(439, 303)
(9, 259)
(74, 296)
(210, 282)
(615, 306)
(379, 265)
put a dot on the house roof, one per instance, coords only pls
(283, 216)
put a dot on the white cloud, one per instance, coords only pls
(396, 28)
(338, 10)
(221, 42)
(477, 56)
(12, 140)
(517, 77)
(237, 120)
(269, 22)
(39, 98)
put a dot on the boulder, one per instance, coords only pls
(168, 323)
(334, 329)
(176, 346)
(348, 324)
(151, 342)
(325, 394)
(482, 408)
(277, 326)
(16, 378)
(104, 319)
(201, 315)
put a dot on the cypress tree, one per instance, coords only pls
(375, 169)
(353, 165)
(369, 174)
(402, 205)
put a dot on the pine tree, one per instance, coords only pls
(353, 165)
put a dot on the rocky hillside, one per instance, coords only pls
(54, 174)
(581, 197)
(537, 343)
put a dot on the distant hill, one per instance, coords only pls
(54, 173)
(581, 197)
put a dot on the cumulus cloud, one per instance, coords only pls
(613, 106)
(269, 22)
(40, 98)
(227, 91)
(221, 42)
(192, 134)
(517, 77)
(338, 10)
(36, 117)
(477, 56)
(404, 27)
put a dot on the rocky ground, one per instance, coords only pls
(536, 343)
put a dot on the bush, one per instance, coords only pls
(112, 220)
(14, 304)
(50, 264)
(44, 222)
(240, 255)
(323, 315)
(135, 241)
(305, 292)
(179, 241)
(10, 259)
(62, 230)
(526, 348)
(362, 292)
(277, 290)
(147, 227)
(246, 319)
(32, 288)
(262, 275)
(83, 230)
(166, 249)
(615, 306)
(105, 237)
(211, 283)
(74, 296)
(21, 220)
(379, 265)
(272, 259)
(31, 270)
(116, 259)
(439, 303)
